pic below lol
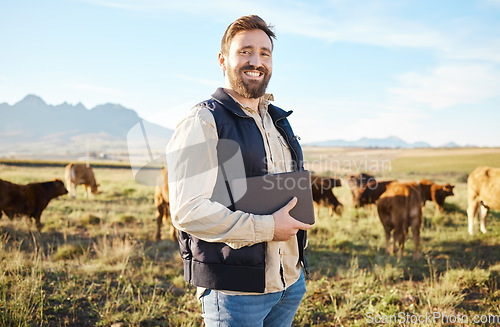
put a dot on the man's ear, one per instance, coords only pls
(222, 62)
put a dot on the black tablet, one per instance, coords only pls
(263, 195)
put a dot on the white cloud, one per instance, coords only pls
(389, 122)
(492, 2)
(485, 48)
(378, 23)
(449, 85)
(465, 38)
(195, 7)
(352, 120)
(372, 30)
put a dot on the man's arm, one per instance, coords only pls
(192, 177)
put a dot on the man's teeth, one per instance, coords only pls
(253, 74)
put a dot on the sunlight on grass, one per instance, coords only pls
(21, 293)
(96, 262)
(115, 250)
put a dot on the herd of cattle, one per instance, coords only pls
(31, 199)
(399, 204)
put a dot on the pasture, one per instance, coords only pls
(96, 262)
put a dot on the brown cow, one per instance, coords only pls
(322, 191)
(77, 174)
(28, 200)
(372, 192)
(436, 193)
(400, 207)
(483, 193)
(357, 184)
(162, 205)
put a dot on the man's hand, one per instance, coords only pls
(285, 226)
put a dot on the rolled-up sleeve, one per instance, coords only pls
(192, 175)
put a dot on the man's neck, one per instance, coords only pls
(249, 102)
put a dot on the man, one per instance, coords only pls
(247, 267)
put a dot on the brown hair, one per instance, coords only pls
(244, 23)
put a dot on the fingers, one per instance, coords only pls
(298, 224)
(303, 226)
(289, 206)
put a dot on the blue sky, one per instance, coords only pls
(421, 70)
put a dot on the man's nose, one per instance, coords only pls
(254, 60)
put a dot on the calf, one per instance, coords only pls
(372, 192)
(399, 207)
(322, 192)
(357, 184)
(436, 193)
(483, 194)
(162, 206)
(80, 174)
(28, 200)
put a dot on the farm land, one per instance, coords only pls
(96, 262)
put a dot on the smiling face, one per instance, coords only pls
(248, 64)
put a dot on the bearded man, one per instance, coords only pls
(248, 268)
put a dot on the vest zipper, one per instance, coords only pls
(296, 156)
(296, 168)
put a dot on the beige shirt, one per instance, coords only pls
(193, 212)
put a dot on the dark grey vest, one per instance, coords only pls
(216, 265)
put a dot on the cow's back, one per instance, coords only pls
(372, 192)
(161, 194)
(5, 188)
(30, 199)
(484, 183)
(162, 204)
(357, 184)
(402, 201)
(12, 198)
(399, 208)
(425, 190)
(80, 174)
(67, 173)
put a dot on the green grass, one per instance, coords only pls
(96, 262)
(452, 163)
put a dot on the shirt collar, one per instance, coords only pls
(264, 102)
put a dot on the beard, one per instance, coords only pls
(251, 89)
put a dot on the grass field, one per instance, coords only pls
(96, 262)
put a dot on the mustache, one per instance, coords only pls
(252, 67)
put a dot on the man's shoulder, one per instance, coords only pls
(212, 107)
(277, 112)
(202, 111)
(209, 104)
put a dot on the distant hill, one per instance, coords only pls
(388, 142)
(31, 126)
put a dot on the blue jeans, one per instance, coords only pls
(272, 309)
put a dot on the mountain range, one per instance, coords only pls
(391, 142)
(32, 127)
(388, 142)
